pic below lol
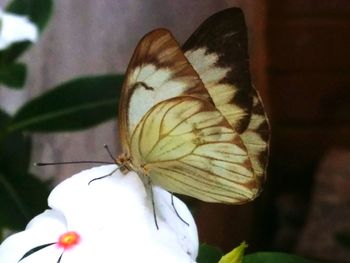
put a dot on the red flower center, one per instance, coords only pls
(68, 240)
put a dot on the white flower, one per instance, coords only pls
(108, 220)
(15, 28)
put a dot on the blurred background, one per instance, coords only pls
(300, 63)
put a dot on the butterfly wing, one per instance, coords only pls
(190, 119)
(256, 138)
(218, 51)
(158, 70)
(186, 145)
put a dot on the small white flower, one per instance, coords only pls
(108, 220)
(16, 28)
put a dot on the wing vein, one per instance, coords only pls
(196, 180)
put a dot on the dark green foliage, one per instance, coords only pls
(77, 104)
(209, 254)
(39, 12)
(15, 153)
(4, 119)
(274, 257)
(21, 194)
(343, 239)
(13, 75)
(13, 52)
(22, 197)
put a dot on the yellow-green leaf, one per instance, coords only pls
(236, 255)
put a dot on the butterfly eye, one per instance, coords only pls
(120, 159)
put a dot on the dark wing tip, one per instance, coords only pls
(233, 13)
(225, 34)
(222, 24)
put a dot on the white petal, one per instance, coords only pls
(115, 215)
(187, 235)
(101, 202)
(115, 221)
(42, 229)
(15, 28)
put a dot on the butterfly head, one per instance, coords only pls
(124, 162)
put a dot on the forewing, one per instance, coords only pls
(157, 71)
(187, 146)
(218, 51)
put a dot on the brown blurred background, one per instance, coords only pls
(300, 61)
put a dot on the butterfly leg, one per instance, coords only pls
(152, 200)
(104, 176)
(178, 215)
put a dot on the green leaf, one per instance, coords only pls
(343, 239)
(236, 255)
(39, 12)
(4, 119)
(274, 257)
(209, 254)
(78, 104)
(15, 152)
(22, 197)
(10, 54)
(13, 75)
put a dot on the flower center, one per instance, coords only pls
(68, 240)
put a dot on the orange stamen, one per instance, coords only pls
(68, 240)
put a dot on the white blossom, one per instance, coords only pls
(113, 220)
(15, 28)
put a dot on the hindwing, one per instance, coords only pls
(185, 145)
(218, 51)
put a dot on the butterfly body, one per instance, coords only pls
(190, 120)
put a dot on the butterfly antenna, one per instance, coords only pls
(80, 162)
(109, 152)
(178, 215)
(72, 162)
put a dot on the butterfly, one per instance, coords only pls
(190, 120)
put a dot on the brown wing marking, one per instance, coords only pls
(256, 139)
(218, 51)
(157, 71)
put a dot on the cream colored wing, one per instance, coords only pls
(157, 71)
(186, 146)
(218, 51)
